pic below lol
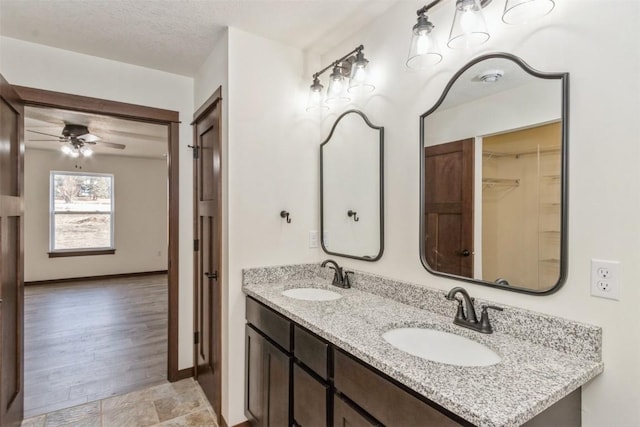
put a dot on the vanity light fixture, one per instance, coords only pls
(349, 75)
(424, 50)
(468, 29)
(523, 11)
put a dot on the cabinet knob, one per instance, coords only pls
(213, 275)
(465, 252)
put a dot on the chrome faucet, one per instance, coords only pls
(466, 316)
(340, 277)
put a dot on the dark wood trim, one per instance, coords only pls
(88, 278)
(45, 98)
(208, 104)
(63, 254)
(66, 101)
(174, 250)
(183, 374)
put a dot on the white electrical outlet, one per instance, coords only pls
(605, 279)
(313, 239)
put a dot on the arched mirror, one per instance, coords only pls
(351, 188)
(493, 162)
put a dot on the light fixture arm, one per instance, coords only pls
(425, 9)
(338, 61)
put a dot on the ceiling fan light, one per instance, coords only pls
(523, 11)
(66, 149)
(86, 151)
(74, 154)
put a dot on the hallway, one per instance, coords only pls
(87, 341)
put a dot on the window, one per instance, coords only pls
(81, 209)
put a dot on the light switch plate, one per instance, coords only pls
(313, 238)
(605, 279)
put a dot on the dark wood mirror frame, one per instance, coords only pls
(380, 129)
(563, 267)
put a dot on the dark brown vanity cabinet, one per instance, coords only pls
(268, 367)
(295, 378)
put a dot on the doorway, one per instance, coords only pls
(166, 118)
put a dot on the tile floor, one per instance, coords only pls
(169, 405)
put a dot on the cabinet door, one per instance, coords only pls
(309, 400)
(267, 387)
(346, 416)
(254, 397)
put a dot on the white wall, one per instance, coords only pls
(140, 190)
(43, 67)
(596, 43)
(272, 163)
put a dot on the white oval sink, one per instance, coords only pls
(311, 294)
(441, 347)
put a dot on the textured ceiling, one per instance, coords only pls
(177, 35)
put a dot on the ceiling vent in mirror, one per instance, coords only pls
(491, 76)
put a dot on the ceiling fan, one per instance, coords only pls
(77, 139)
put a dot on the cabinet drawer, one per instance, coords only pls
(272, 324)
(311, 351)
(310, 398)
(384, 400)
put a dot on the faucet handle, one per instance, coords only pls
(346, 281)
(485, 325)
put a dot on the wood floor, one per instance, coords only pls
(87, 341)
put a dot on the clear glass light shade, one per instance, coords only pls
(337, 91)
(86, 151)
(523, 11)
(74, 154)
(359, 79)
(314, 102)
(66, 149)
(469, 28)
(424, 50)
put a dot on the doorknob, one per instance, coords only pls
(465, 252)
(213, 275)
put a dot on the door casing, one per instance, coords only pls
(169, 118)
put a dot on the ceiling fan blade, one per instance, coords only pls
(46, 140)
(112, 145)
(90, 138)
(47, 134)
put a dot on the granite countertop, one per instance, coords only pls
(529, 378)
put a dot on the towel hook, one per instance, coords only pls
(285, 214)
(353, 214)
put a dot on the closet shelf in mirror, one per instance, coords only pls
(550, 233)
(516, 154)
(502, 182)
